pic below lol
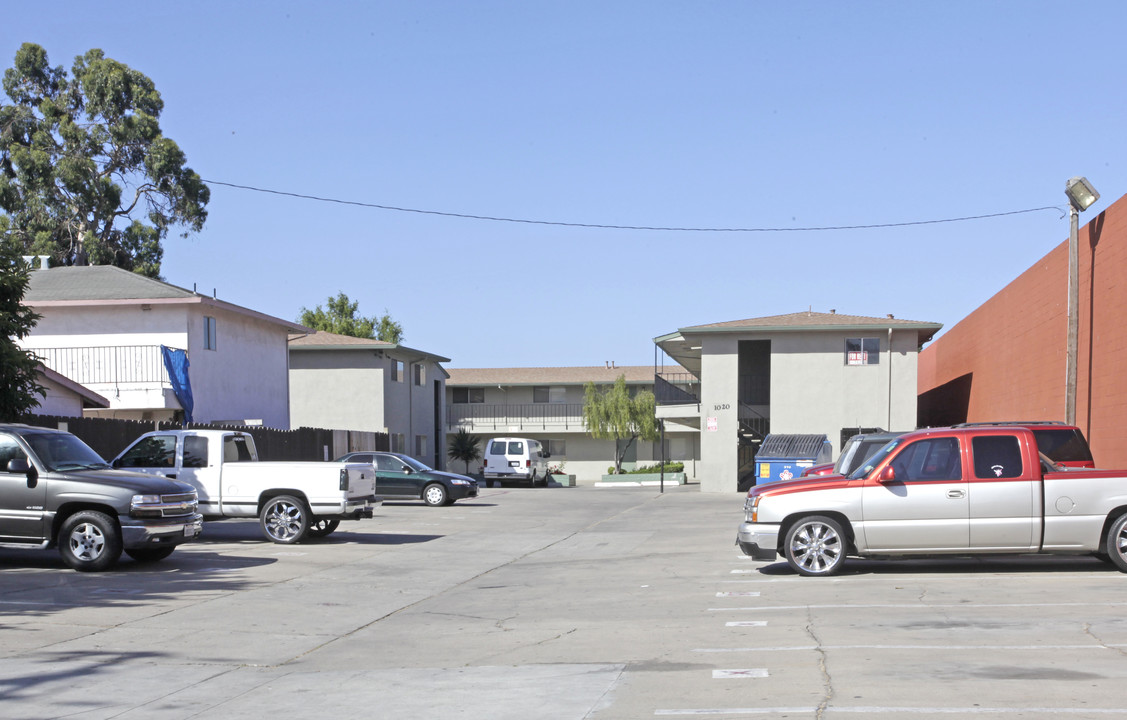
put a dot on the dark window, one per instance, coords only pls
(389, 463)
(469, 395)
(1063, 444)
(541, 394)
(862, 351)
(9, 450)
(195, 451)
(929, 460)
(209, 339)
(997, 456)
(153, 451)
(497, 448)
(235, 449)
(359, 459)
(516, 448)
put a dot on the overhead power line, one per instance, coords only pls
(601, 226)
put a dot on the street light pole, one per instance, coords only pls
(1072, 341)
(1081, 195)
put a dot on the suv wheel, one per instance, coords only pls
(89, 541)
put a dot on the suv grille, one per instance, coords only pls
(178, 504)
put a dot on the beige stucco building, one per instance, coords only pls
(803, 373)
(103, 327)
(349, 383)
(546, 404)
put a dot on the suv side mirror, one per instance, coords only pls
(887, 475)
(19, 466)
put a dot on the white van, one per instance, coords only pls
(513, 458)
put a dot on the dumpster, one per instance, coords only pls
(784, 457)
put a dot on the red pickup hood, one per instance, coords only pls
(813, 482)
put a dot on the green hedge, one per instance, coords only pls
(670, 467)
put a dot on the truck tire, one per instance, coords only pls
(89, 541)
(320, 527)
(148, 555)
(815, 546)
(434, 495)
(285, 519)
(1117, 543)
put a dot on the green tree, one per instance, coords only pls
(18, 368)
(341, 317)
(464, 447)
(85, 174)
(612, 414)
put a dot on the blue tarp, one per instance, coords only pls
(176, 363)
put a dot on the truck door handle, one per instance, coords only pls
(955, 494)
(171, 476)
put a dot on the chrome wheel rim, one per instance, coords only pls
(87, 541)
(816, 547)
(283, 521)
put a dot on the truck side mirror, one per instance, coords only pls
(887, 475)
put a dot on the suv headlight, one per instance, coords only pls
(145, 506)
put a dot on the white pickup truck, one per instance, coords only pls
(293, 500)
(953, 491)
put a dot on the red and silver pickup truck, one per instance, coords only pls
(955, 491)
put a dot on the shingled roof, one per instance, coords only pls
(598, 374)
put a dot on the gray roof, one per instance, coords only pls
(321, 340)
(598, 374)
(108, 285)
(97, 282)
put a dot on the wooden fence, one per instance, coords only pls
(108, 437)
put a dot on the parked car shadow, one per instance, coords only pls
(345, 537)
(949, 565)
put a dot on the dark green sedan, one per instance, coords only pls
(402, 476)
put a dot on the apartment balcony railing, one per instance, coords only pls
(676, 388)
(533, 416)
(110, 365)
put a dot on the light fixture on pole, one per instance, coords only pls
(1081, 195)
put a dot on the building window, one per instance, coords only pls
(862, 351)
(396, 442)
(469, 395)
(420, 445)
(209, 342)
(546, 394)
(556, 448)
(397, 372)
(420, 375)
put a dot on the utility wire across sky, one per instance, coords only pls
(491, 218)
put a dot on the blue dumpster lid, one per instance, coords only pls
(790, 446)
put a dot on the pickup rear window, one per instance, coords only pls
(996, 456)
(1063, 444)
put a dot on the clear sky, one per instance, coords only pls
(722, 114)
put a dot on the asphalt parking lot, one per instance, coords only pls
(558, 603)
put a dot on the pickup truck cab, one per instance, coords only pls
(57, 492)
(969, 490)
(293, 500)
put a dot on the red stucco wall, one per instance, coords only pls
(1010, 352)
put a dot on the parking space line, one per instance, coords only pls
(737, 593)
(921, 606)
(879, 710)
(746, 623)
(803, 648)
(739, 674)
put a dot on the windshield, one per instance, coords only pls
(415, 464)
(874, 460)
(62, 451)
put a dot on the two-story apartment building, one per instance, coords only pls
(546, 404)
(103, 328)
(802, 373)
(350, 383)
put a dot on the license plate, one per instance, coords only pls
(189, 531)
(514, 463)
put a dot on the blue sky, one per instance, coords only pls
(661, 114)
